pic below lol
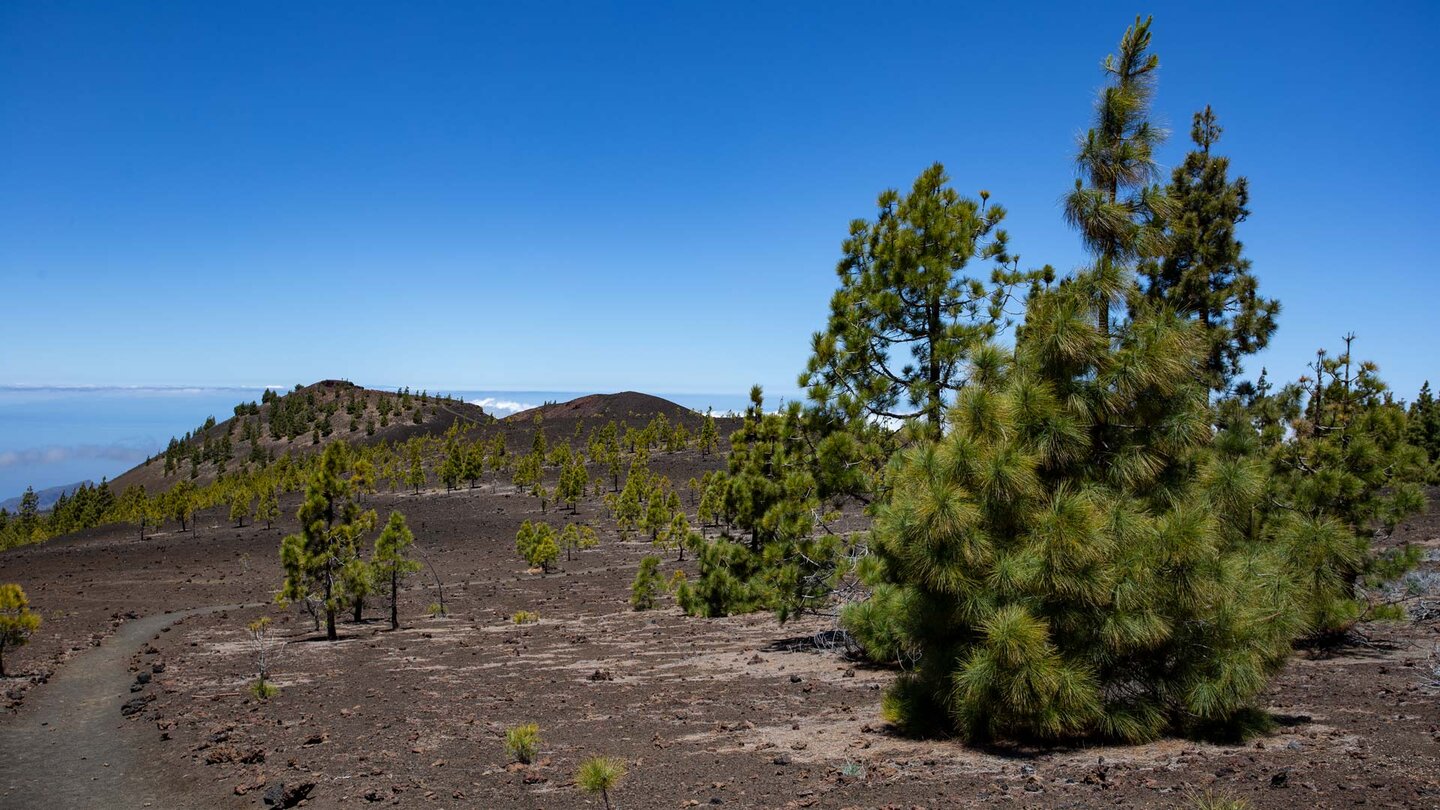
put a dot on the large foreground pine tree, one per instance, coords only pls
(1071, 559)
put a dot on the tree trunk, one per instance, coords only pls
(394, 598)
(934, 410)
(329, 609)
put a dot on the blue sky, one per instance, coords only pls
(608, 196)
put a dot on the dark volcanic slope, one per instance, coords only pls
(437, 417)
(605, 407)
(566, 419)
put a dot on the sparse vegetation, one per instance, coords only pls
(522, 742)
(1051, 509)
(536, 544)
(17, 621)
(600, 775)
(649, 584)
(265, 647)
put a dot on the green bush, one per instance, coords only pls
(263, 689)
(600, 775)
(522, 742)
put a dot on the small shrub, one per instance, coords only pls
(434, 610)
(522, 742)
(600, 775)
(17, 621)
(676, 580)
(525, 617)
(263, 689)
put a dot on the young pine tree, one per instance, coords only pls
(1342, 474)
(649, 584)
(709, 433)
(268, 507)
(241, 505)
(1204, 273)
(391, 565)
(17, 622)
(1424, 423)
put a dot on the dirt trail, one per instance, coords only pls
(70, 747)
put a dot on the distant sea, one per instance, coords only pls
(60, 436)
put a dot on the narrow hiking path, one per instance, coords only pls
(69, 746)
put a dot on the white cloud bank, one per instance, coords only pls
(509, 406)
(56, 454)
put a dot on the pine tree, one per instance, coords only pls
(576, 538)
(537, 441)
(241, 505)
(268, 509)
(17, 622)
(1059, 574)
(657, 516)
(134, 507)
(1204, 273)
(1116, 203)
(629, 509)
(357, 582)
(363, 478)
(28, 518)
(452, 469)
(905, 318)
(1424, 423)
(415, 473)
(709, 433)
(573, 482)
(1343, 475)
(181, 504)
(770, 491)
(648, 585)
(474, 466)
(331, 522)
(536, 544)
(677, 534)
(391, 565)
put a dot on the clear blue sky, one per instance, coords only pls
(605, 196)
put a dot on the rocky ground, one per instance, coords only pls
(738, 712)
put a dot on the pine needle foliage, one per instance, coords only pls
(905, 317)
(331, 524)
(772, 491)
(522, 742)
(1204, 273)
(1343, 474)
(391, 563)
(1071, 559)
(17, 621)
(600, 775)
(649, 584)
(1116, 203)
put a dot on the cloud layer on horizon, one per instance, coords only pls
(56, 454)
(492, 404)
